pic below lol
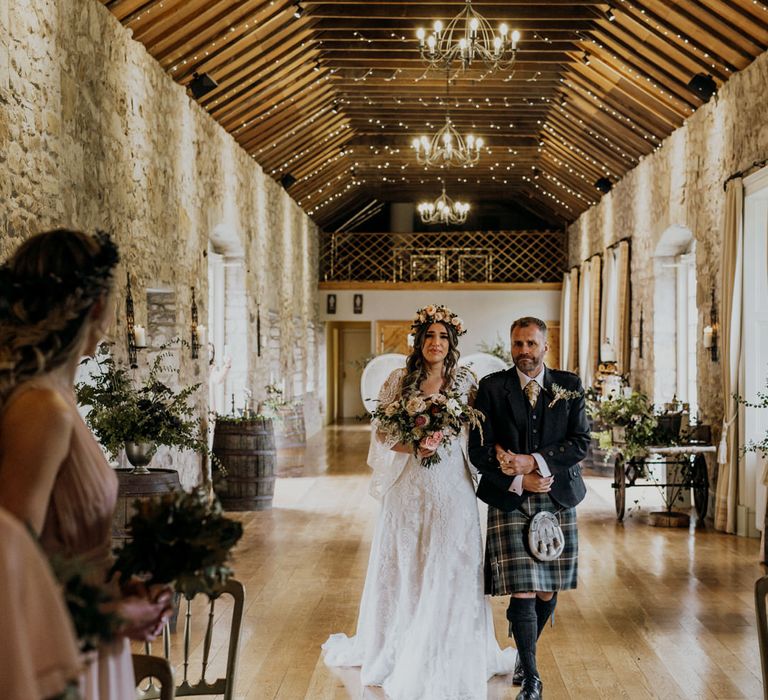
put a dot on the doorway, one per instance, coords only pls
(349, 351)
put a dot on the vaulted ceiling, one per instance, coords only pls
(335, 96)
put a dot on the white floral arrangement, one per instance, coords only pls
(438, 313)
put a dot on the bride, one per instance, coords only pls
(425, 630)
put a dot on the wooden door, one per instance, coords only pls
(355, 347)
(392, 336)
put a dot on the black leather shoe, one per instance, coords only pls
(517, 675)
(532, 689)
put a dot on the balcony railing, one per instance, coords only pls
(465, 256)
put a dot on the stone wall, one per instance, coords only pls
(94, 134)
(681, 185)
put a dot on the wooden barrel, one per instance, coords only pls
(138, 486)
(290, 439)
(246, 448)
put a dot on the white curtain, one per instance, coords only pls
(585, 322)
(731, 292)
(609, 305)
(614, 310)
(566, 299)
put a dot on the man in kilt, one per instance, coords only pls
(534, 436)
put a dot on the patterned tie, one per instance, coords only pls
(532, 389)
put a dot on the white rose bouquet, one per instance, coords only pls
(426, 421)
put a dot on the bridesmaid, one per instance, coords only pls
(55, 305)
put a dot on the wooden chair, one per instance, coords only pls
(761, 591)
(153, 668)
(224, 686)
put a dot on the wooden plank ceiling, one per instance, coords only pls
(335, 96)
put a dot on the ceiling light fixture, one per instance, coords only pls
(466, 38)
(298, 11)
(447, 146)
(201, 85)
(609, 15)
(585, 59)
(703, 85)
(443, 210)
(604, 185)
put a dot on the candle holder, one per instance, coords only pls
(132, 355)
(194, 337)
(711, 331)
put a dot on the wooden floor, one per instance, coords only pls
(659, 613)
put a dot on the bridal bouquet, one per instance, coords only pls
(426, 421)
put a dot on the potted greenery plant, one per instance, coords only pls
(139, 418)
(631, 420)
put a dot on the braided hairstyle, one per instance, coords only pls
(415, 366)
(47, 290)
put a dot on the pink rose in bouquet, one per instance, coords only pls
(432, 441)
(421, 421)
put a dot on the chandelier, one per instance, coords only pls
(443, 210)
(447, 147)
(468, 37)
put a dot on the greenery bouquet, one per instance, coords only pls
(181, 538)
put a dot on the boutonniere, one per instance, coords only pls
(559, 392)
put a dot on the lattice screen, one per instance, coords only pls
(467, 256)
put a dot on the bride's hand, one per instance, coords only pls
(423, 452)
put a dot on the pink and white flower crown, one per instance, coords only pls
(438, 313)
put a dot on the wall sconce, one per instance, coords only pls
(136, 334)
(711, 331)
(197, 330)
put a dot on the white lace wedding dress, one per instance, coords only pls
(425, 630)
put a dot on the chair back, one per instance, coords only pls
(761, 591)
(193, 636)
(152, 668)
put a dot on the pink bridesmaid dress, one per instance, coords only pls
(79, 523)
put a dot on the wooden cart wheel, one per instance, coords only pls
(700, 486)
(619, 486)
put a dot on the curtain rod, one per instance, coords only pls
(747, 171)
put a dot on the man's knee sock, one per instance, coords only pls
(544, 610)
(522, 626)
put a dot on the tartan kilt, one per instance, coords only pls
(509, 568)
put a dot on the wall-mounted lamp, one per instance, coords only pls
(196, 330)
(136, 334)
(711, 331)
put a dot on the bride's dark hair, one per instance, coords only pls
(415, 366)
(47, 289)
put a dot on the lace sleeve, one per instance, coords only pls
(386, 464)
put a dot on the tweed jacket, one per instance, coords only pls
(563, 444)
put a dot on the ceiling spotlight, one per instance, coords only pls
(604, 185)
(201, 84)
(703, 85)
(536, 172)
(287, 180)
(335, 108)
(298, 11)
(585, 59)
(609, 15)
